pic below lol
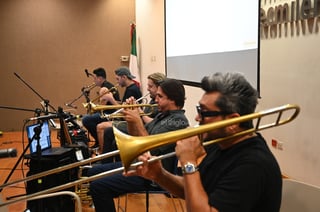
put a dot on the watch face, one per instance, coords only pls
(189, 168)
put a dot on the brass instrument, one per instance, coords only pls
(137, 101)
(89, 87)
(130, 147)
(117, 114)
(88, 105)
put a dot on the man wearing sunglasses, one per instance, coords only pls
(239, 174)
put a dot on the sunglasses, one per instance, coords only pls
(209, 113)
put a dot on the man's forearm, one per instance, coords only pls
(172, 183)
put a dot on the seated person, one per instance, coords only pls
(90, 121)
(152, 86)
(238, 174)
(170, 98)
(124, 79)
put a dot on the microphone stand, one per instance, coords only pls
(84, 92)
(37, 131)
(45, 101)
(38, 112)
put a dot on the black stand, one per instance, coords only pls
(45, 101)
(84, 92)
(37, 131)
(38, 112)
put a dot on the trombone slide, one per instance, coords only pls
(131, 147)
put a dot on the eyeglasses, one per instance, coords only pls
(209, 113)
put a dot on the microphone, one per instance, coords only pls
(71, 118)
(11, 152)
(46, 117)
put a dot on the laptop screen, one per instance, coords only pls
(45, 141)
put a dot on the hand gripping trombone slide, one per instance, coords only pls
(130, 147)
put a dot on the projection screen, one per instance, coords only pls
(207, 36)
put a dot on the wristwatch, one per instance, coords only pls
(189, 168)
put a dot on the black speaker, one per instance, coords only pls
(51, 204)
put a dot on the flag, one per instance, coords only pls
(133, 65)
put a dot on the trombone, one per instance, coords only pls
(130, 147)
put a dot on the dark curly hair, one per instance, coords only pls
(174, 90)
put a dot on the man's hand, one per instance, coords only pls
(132, 115)
(148, 170)
(190, 150)
(106, 96)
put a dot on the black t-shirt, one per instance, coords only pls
(245, 177)
(132, 90)
(109, 85)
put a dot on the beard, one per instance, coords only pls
(214, 134)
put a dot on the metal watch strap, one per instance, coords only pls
(189, 168)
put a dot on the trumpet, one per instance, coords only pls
(89, 87)
(130, 147)
(88, 105)
(137, 101)
(117, 113)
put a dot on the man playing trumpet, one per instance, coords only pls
(153, 82)
(124, 79)
(94, 123)
(90, 121)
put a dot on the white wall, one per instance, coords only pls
(288, 75)
(151, 48)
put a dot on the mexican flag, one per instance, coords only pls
(133, 65)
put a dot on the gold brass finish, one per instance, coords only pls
(88, 105)
(130, 147)
(118, 113)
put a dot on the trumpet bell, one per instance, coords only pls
(88, 105)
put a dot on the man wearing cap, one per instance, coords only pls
(124, 79)
(90, 121)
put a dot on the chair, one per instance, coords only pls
(150, 191)
(299, 196)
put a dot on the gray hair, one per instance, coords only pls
(237, 95)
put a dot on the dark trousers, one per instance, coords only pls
(103, 190)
